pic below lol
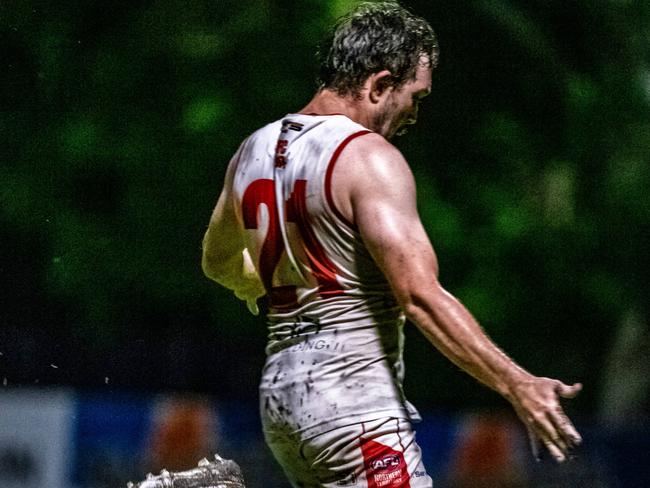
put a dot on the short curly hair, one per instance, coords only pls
(373, 37)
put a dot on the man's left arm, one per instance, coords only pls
(226, 259)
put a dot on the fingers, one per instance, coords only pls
(559, 418)
(558, 454)
(565, 427)
(566, 391)
(251, 301)
(252, 307)
(538, 405)
(551, 438)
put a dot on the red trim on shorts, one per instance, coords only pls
(330, 171)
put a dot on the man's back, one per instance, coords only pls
(282, 190)
(310, 258)
(328, 368)
(335, 329)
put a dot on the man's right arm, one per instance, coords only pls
(383, 205)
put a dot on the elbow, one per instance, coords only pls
(222, 269)
(410, 302)
(413, 307)
(422, 301)
(207, 267)
(210, 260)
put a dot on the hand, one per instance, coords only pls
(250, 287)
(537, 403)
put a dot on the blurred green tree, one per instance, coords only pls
(531, 157)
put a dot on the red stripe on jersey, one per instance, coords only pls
(330, 171)
(322, 267)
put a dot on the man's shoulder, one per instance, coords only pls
(372, 148)
(368, 167)
(268, 130)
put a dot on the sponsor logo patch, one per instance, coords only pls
(385, 467)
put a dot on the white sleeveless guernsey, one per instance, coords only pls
(334, 354)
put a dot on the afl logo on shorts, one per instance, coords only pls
(385, 467)
(386, 463)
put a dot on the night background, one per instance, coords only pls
(532, 159)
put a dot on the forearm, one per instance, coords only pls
(225, 270)
(233, 268)
(453, 330)
(450, 327)
(222, 259)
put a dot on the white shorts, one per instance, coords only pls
(380, 453)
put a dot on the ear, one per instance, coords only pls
(378, 85)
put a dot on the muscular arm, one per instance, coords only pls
(225, 258)
(383, 205)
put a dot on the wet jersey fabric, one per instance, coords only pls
(334, 352)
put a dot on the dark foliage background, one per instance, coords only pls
(117, 120)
